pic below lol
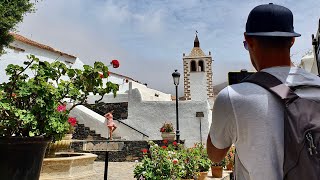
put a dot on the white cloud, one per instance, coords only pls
(149, 37)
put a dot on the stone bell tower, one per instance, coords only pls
(197, 72)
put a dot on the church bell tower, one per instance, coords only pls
(197, 72)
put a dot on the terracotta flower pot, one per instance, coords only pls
(168, 136)
(216, 171)
(203, 175)
(230, 166)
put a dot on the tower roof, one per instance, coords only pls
(196, 50)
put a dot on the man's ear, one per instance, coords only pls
(249, 40)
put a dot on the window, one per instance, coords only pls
(201, 66)
(193, 66)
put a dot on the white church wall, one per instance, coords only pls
(148, 94)
(149, 116)
(198, 90)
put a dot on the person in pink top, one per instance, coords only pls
(111, 125)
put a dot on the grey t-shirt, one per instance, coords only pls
(252, 119)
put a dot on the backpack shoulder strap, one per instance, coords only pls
(272, 84)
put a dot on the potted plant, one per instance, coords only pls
(230, 158)
(190, 157)
(217, 168)
(204, 162)
(167, 131)
(29, 114)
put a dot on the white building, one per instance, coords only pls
(21, 47)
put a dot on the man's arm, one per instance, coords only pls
(215, 154)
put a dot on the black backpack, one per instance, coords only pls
(301, 129)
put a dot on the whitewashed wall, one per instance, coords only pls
(148, 94)
(198, 88)
(148, 117)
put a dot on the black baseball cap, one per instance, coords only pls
(270, 20)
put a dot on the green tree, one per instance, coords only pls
(11, 13)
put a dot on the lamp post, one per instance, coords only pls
(176, 77)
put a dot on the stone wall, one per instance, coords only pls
(120, 109)
(131, 150)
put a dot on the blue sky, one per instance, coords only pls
(150, 36)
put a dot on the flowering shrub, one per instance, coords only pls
(162, 163)
(166, 127)
(171, 162)
(32, 106)
(230, 156)
(204, 162)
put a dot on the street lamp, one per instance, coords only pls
(176, 77)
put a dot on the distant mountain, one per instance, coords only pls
(219, 87)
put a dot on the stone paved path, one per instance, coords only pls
(124, 171)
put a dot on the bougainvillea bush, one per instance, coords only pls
(171, 162)
(35, 105)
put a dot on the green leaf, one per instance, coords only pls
(71, 73)
(86, 67)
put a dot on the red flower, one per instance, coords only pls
(175, 143)
(165, 141)
(72, 121)
(144, 151)
(13, 95)
(115, 63)
(175, 161)
(162, 130)
(108, 73)
(101, 75)
(164, 147)
(61, 108)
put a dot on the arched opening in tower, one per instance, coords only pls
(201, 66)
(193, 66)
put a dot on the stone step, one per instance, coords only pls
(102, 146)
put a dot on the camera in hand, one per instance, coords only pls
(237, 77)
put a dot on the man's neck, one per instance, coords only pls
(268, 60)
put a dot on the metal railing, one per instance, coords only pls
(119, 120)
